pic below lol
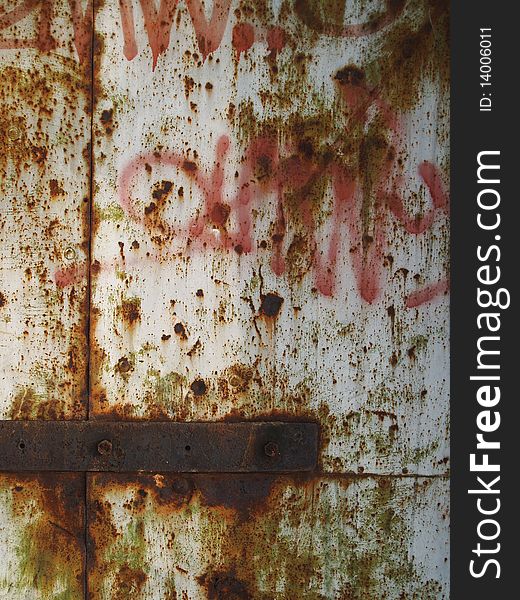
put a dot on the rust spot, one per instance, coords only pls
(130, 310)
(199, 387)
(55, 188)
(180, 330)
(150, 208)
(161, 190)
(199, 293)
(107, 120)
(195, 348)
(391, 313)
(3, 300)
(189, 84)
(95, 267)
(239, 377)
(40, 154)
(123, 365)
(106, 116)
(189, 166)
(225, 586)
(350, 75)
(271, 304)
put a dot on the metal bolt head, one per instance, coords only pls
(104, 447)
(181, 486)
(69, 253)
(298, 437)
(14, 133)
(235, 381)
(271, 449)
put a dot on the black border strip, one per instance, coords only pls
(474, 131)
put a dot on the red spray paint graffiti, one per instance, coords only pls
(290, 170)
(210, 231)
(158, 23)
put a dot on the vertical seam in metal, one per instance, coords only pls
(89, 291)
(91, 209)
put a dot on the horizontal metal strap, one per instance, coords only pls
(158, 446)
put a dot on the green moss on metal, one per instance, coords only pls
(112, 212)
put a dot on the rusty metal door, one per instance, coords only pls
(227, 211)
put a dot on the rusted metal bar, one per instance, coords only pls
(157, 446)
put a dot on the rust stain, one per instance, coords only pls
(50, 511)
(198, 387)
(55, 188)
(224, 586)
(247, 550)
(107, 120)
(130, 311)
(271, 304)
(411, 52)
(180, 330)
(314, 148)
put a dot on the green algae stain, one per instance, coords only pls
(321, 15)
(46, 530)
(164, 394)
(129, 548)
(41, 566)
(313, 542)
(42, 399)
(415, 48)
(112, 212)
(127, 559)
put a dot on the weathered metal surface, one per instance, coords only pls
(266, 538)
(42, 542)
(45, 97)
(269, 241)
(180, 447)
(270, 233)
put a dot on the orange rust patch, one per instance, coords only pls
(224, 586)
(106, 118)
(128, 582)
(130, 310)
(161, 190)
(55, 188)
